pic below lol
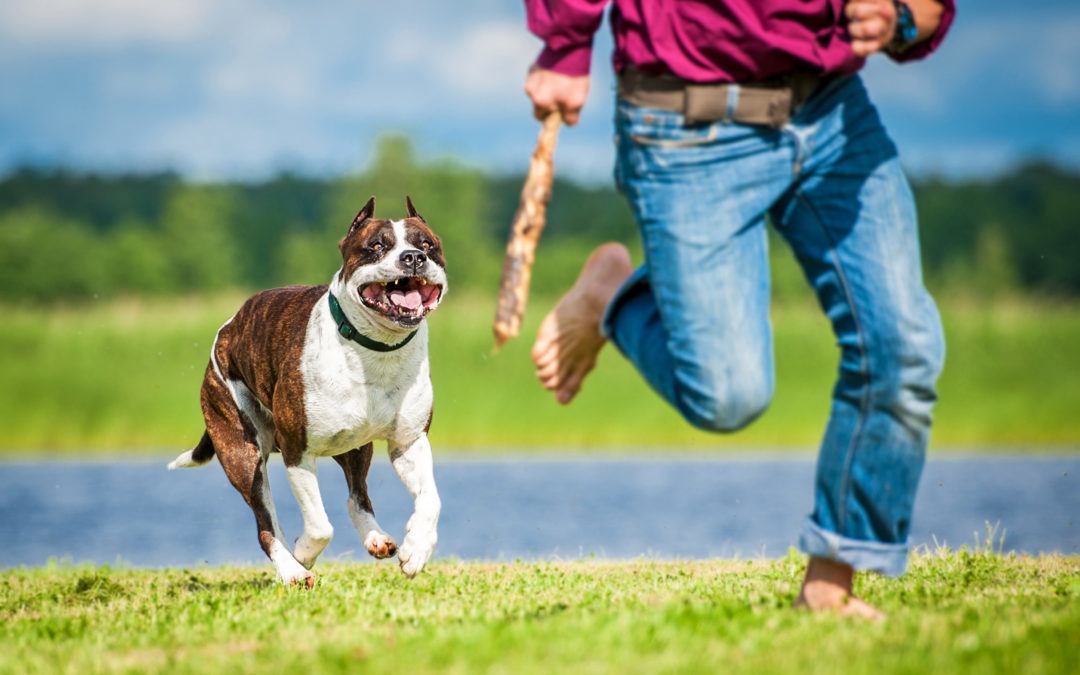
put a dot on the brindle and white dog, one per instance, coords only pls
(323, 371)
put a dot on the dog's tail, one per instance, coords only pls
(202, 453)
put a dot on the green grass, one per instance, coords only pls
(959, 612)
(125, 375)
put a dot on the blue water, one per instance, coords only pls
(141, 514)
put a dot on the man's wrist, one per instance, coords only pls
(573, 61)
(933, 19)
(906, 32)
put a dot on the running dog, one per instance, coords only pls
(323, 371)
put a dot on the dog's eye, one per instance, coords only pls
(426, 245)
(377, 247)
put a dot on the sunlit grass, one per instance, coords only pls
(954, 612)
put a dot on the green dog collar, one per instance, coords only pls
(349, 332)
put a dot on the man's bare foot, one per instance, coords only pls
(569, 338)
(827, 588)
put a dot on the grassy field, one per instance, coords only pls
(124, 376)
(960, 612)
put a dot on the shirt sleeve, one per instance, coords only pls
(924, 48)
(567, 28)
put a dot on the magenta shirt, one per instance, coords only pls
(708, 41)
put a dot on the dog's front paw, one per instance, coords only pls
(307, 549)
(289, 571)
(380, 544)
(414, 554)
(302, 578)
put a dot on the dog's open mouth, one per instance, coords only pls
(406, 300)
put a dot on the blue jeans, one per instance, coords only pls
(694, 319)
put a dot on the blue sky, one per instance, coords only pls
(246, 88)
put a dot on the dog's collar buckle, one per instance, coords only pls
(349, 332)
(346, 330)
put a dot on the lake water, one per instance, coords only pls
(504, 509)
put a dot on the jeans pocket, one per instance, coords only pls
(661, 128)
(674, 141)
(652, 141)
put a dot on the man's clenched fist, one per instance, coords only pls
(551, 91)
(871, 24)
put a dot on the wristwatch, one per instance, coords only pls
(906, 30)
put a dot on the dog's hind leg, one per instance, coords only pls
(317, 528)
(236, 436)
(355, 464)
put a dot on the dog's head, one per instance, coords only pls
(393, 269)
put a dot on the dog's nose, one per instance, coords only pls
(412, 259)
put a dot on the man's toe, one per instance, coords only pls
(547, 370)
(570, 387)
(546, 338)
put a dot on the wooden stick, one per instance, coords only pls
(525, 233)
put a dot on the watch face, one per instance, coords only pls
(910, 32)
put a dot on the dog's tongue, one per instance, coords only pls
(408, 299)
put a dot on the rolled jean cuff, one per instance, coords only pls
(607, 323)
(872, 556)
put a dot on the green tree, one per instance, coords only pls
(139, 261)
(306, 259)
(46, 257)
(195, 232)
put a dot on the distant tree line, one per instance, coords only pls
(67, 236)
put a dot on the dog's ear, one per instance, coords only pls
(410, 210)
(365, 213)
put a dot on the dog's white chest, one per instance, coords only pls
(352, 396)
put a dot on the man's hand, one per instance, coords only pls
(871, 23)
(552, 91)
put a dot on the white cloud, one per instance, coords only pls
(1037, 52)
(1034, 53)
(1056, 62)
(104, 21)
(489, 58)
(262, 63)
(472, 65)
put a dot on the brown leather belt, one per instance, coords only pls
(764, 103)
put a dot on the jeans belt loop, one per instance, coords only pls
(732, 102)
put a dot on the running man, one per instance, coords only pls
(728, 112)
